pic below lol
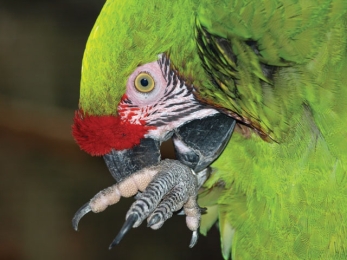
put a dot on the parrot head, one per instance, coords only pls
(157, 104)
(138, 89)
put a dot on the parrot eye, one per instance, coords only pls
(144, 82)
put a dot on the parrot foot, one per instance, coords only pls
(135, 183)
(174, 186)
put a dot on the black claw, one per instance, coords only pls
(154, 220)
(79, 214)
(203, 210)
(125, 228)
(194, 239)
(181, 212)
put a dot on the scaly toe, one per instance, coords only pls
(154, 220)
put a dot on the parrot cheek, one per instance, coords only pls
(123, 163)
(199, 142)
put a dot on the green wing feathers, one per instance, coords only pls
(284, 199)
(286, 38)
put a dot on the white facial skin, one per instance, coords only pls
(150, 98)
(166, 106)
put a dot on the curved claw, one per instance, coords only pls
(203, 210)
(181, 213)
(194, 239)
(154, 220)
(79, 214)
(125, 228)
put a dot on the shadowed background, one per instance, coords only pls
(44, 177)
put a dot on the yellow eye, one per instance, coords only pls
(144, 82)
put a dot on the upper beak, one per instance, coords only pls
(199, 142)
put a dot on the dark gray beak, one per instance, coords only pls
(125, 162)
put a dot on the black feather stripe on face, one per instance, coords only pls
(178, 98)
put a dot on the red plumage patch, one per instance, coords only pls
(97, 135)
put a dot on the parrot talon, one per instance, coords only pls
(194, 239)
(154, 220)
(80, 214)
(181, 212)
(203, 210)
(125, 229)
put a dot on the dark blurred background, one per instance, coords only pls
(44, 177)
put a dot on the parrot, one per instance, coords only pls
(252, 94)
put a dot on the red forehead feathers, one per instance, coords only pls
(98, 135)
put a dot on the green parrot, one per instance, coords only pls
(253, 94)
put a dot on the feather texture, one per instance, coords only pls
(284, 199)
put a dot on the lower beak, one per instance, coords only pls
(123, 163)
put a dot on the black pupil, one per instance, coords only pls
(144, 82)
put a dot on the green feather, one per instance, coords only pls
(208, 199)
(284, 200)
